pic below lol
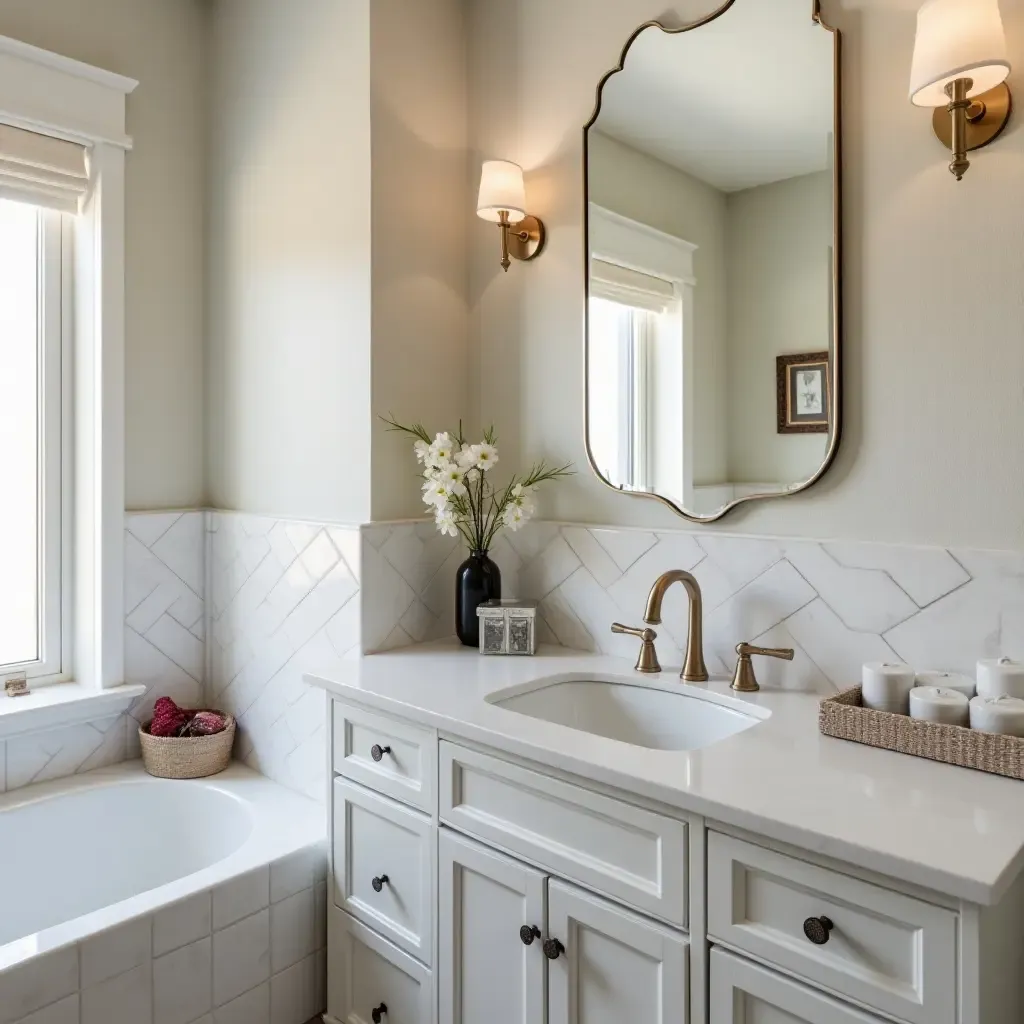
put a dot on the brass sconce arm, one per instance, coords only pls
(523, 240)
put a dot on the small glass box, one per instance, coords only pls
(508, 627)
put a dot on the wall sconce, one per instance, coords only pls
(502, 201)
(961, 65)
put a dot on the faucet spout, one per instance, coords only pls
(694, 669)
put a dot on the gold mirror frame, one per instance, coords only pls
(835, 396)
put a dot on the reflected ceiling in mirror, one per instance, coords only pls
(713, 259)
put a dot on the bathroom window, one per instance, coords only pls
(32, 446)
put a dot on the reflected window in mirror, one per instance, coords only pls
(712, 220)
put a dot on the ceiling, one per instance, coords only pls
(743, 101)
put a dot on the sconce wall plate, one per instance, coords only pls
(526, 239)
(987, 116)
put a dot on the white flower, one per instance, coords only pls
(452, 477)
(483, 456)
(422, 450)
(441, 451)
(436, 492)
(513, 517)
(445, 522)
(465, 457)
(523, 498)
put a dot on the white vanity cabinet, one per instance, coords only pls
(469, 887)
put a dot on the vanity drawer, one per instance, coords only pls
(885, 950)
(407, 768)
(379, 843)
(628, 853)
(366, 971)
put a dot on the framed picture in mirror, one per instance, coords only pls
(803, 386)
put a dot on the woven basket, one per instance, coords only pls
(844, 717)
(187, 757)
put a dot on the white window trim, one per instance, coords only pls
(628, 243)
(53, 95)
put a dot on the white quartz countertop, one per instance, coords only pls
(953, 830)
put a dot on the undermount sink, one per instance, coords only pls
(660, 715)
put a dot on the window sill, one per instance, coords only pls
(52, 707)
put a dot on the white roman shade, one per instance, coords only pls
(42, 170)
(630, 287)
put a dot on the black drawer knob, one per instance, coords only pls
(553, 949)
(528, 933)
(377, 752)
(378, 1013)
(378, 884)
(817, 929)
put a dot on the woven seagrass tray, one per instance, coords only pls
(844, 717)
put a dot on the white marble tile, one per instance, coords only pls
(115, 951)
(43, 979)
(838, 651)
(241, 897)
(548, 570)
(182, 989)
(956, 631)
(41, 757)
(292, 874)
(754, 609)
(182, 550)
(149, 527)
(292, 930)
(801, 674)
(625, 546)
(594, 557)
(866, 600)
(251, 1008)
(66, 1011)
(241, 957)
(125, 999)
(565, 624)
(182, 923)
(294, 995)
(926, 574)
(320, 556)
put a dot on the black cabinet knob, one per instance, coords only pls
(528, 933)
(377, 752)
(379, 1012)
(378, 883)
(553, 949)
(817, 929)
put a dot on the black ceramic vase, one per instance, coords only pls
(477, 580)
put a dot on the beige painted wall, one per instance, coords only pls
(421, 211)
(647, 190)
(162, 43)
(934, 362)
(778, 285)
(339, 205)
(290, 244)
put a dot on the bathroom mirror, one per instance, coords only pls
(714, 259)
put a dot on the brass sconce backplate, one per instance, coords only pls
(526, 239)
(987, 117)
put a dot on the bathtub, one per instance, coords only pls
(125, 898)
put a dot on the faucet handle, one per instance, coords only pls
(743, 678)
(648, 660)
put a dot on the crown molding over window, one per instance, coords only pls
(65, 99)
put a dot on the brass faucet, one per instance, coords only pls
(694, 669)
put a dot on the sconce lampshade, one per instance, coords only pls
(957, 39)
(501, 188)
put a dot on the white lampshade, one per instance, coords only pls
(957, 39)
(501, 188)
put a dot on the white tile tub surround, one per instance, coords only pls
(838, 604)
(177, 966)
(284, 596)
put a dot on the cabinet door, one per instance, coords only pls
(745, 993)
(615, 966)
(486, 973)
